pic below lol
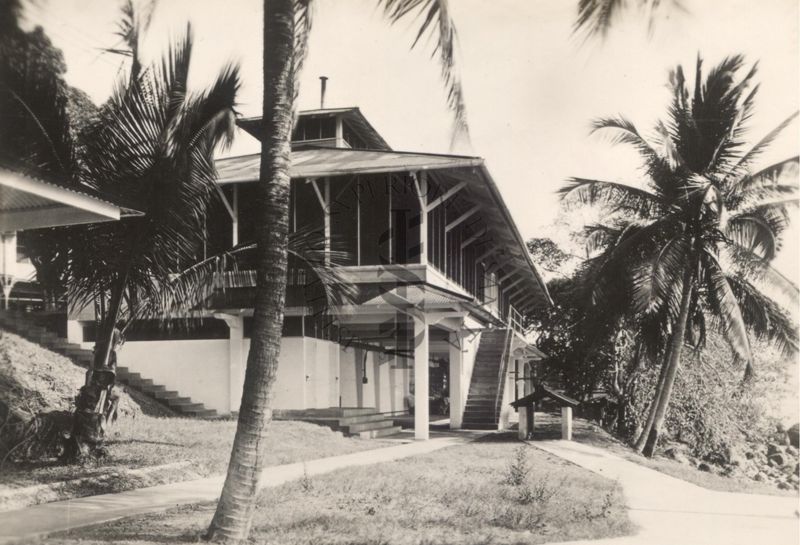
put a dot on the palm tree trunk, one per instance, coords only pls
(672, 364)
(651, 413)
(105, 335)
(87, 424)
(234, 514)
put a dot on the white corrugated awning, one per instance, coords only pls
(29, 203)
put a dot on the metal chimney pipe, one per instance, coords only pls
(323, 80)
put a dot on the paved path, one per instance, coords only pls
(40, 520)
(670, 511)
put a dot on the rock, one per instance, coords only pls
(749, 454)
(791, 450)
(794, 435)
(677, 452)
(759, 477)
(777, 460)
(797, 469)
(784, 486)
(702, 466)
(794, 479)
(774, 448)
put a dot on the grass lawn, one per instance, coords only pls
(148, 441)
(460, 494)
(548, 426)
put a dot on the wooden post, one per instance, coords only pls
(566, 423)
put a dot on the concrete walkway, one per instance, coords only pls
(40, 520)
(670, 511)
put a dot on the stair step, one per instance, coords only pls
(360, 419)
(203, 413)
(153, 388)
(191, 407)
(367, 426)
(166, 395)
(383, 432)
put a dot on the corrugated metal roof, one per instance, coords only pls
(317, 162)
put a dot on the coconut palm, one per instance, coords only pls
(152, 147)
(694, 244)
(287, 24)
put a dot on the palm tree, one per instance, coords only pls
(152, 147)
(596, 17)
(287, 24)
(694, 245)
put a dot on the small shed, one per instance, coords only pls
(526, 405)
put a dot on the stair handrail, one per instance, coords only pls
(504, 361)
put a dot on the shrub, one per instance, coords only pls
(712, 410)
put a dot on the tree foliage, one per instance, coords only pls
(686, 250)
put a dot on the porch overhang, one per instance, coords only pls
(30, 203)
(500, 239)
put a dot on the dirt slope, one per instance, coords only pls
(34, 380)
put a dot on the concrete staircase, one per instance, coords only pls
(482, 411)
(363, 422)
(25, 325)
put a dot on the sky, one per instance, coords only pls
(532, 88)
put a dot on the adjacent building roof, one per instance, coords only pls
(30, 203)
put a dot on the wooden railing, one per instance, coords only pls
(514, 322)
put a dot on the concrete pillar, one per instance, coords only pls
(456, 380)
(523, 423)
(421, 382)
(74, 332)
(235, 359)
(566, 423)
(9, 265)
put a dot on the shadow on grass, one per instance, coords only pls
(143, 442)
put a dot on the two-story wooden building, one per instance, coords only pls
(443, 282)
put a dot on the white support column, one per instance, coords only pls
(9, 270)
(456, 378)
(421, 185)
(566, 423)
(421, 382)
(236, 361)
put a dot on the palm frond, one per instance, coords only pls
(191, 289)
(750, 156)
(775, 181)
(764, 317)
(618, 195)
(437, 26)
(657, 284)
(725, 307)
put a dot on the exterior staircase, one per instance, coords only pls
(363, 422)
(25, 325)
(482, 411)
